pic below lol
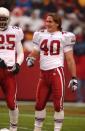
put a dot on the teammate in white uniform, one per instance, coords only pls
(10, 45)
(51, 45)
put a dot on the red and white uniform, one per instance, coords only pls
(10, 45)
(52, 47)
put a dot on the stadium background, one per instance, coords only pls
(73, 15)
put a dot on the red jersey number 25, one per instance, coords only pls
(54, 47)
(7, 42)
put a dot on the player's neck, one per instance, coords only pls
(53, 31)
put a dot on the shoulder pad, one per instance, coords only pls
(15, 27)
(64, 32)
(42, 30)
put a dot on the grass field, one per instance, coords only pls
(74, 118)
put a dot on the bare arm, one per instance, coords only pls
(34, 53)
(32, 57)
(71, 63)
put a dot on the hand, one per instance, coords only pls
(15, 69)
(30, 61)
(2, 64)
(73, 84)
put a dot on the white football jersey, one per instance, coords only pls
(8, 40)
(52, 47)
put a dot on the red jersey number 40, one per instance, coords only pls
(54, 48)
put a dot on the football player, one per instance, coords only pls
(10, 46)
(51, 45)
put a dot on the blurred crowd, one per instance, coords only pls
(30, 14)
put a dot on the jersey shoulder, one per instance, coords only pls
(68, 34)
(17, 31)
(69, 37)
(37, 36)
(40, 31)
(15, 28)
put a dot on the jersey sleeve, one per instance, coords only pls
(20, 53)
(19, 34)
(36, 40)
(70, 40)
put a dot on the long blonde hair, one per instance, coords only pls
(57, 19)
